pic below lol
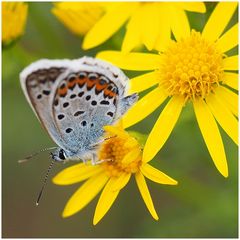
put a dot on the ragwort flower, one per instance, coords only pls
(14, 15)
(193, 69)
(150, 23)
(123, 158)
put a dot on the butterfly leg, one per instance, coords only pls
(126, 103)
(96, 161)
(92, 146)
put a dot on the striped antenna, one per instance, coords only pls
(44, 182)
(35, 154)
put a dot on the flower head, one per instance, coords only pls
(193, 68)
(120, 157)
(149, 23)
(14, 15)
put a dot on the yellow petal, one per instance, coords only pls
(180, 24)
(115, 131)
(131, 156)
(230, 63)
(193, 6)
(121, 181)
(151, 24)
(85, 194)
(76, 173)
(231, 79)
(163, 127)
(228, 98)
(105, 201)
(156, 176)
(14, 16)
(79, 17)
(224, 116)
(131, 142)
(164, 36)
(132, 36)
(144, 107)
(143, 82)
(211, 135)
(131, 61)
(229, 39)
(143, 188)
(218, 20)
(108, 24)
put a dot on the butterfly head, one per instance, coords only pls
(59, 155)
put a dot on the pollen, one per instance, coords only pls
(191, 67)
(122, 154)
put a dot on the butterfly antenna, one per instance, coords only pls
(35, 154)
(44, 182)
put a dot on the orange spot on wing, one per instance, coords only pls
(108, 92)
(81, 81)
(90, 83)
(99, 86)
(71, 84)
(62, 91)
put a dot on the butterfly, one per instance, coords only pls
(74, 99)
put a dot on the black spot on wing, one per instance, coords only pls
(62, 86)
(82, 75)
(71, 78)
(68, 130)
(104, 102)
(88, 97)
(46, 92)
(66, 104)
(55, 102)
(94, 103)
(39, 96)
(60, 116)
(92, 76)
(78, 113)
(80, 94)
(84, 123)
(110, 114)
(73, 96)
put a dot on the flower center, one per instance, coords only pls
(192, 67)
(121, 155)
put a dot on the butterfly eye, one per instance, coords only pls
(62, 154)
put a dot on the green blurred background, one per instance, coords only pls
(204, 204)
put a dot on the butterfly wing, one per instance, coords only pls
(38, 82)
(86, 100)
(74, 99)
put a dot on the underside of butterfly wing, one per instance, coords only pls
(84, 102)
(38, 82)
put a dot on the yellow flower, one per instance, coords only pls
(14, 15)
(149, 23)
(193, 69)
(79, 17)
(123, 157)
